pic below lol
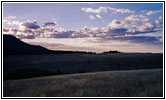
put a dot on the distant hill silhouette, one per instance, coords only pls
(112, 52)
(14, 46)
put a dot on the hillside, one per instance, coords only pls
(133, 83)
(14, 46)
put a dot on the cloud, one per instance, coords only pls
(120, 24)
(147, 40)
(13, 30)
(133, 28)
(50, 24)
(91, 10)
(120, 10)
(66, 34)
(145, 20)
(30, 25)
(105, 9)
(135, 17)
(26, 36)
(148, 27)
(91, 17)
(129, 24)
(5, 30)
(149, 13)
(143, 11)
(132, 31)
(16, 22)
(143, 28)
(115, 24)
(101, 35)
(160, 18)
(98, 16)
(44, 32)
(115, 29)
(11, 22)
(158, 23)
(11, 17)
(141, 39)
(6, 21)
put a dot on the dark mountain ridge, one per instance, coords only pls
(14, 46)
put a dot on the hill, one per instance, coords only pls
(14, 46)
(132, 83)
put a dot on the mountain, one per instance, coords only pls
(14, 46)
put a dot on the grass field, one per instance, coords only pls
(127, 83)
(76, 63)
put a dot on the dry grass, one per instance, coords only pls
(133, 83)
(75, 63)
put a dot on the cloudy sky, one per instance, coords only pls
(98, 27)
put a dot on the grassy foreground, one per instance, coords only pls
(76, 63)
(132, 83)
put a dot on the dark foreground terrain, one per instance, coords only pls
(19, 67)
(109, 75)
(132, 83)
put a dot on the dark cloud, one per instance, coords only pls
(137, 39)
(21, 36)
(65, 34)
(117, 31)
(30, 37)
(45, 32)
(30, 25)
(14, 30)
(32, 30)
(5, 30)
(50, 24)
(151, 40)
(139, 32)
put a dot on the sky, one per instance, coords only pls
(95, 27)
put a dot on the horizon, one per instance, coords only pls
(90, 27)
(84, 51)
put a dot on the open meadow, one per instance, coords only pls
(77, 63)
(133, 83)
(86, 75)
